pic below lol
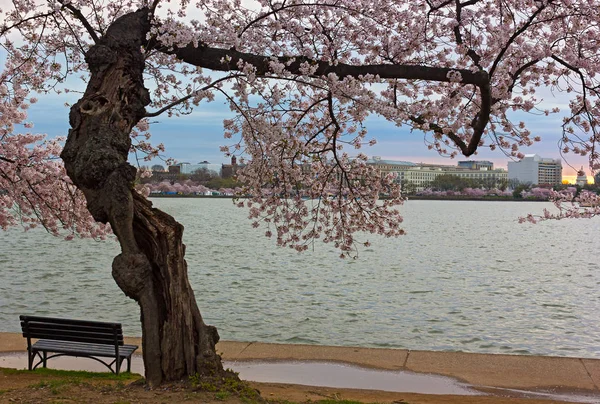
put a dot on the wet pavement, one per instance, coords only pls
(324, 374)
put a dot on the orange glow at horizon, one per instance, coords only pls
(573, 178)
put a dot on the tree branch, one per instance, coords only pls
(458, 36)
(228, 59)
(514, 37)
(187, 97)
(153, 6)
(5, 29)
(7, 160)
(77, 13)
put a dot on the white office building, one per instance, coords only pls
(536, 170)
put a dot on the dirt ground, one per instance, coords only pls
(33, 387)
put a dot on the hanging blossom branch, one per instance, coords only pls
(585, 205)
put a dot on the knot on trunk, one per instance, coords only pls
(213, 334)
(94, 105)
(132, 272)
(99, 57)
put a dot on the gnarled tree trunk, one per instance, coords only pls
(151, 268)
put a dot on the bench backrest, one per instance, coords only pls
(63, 329)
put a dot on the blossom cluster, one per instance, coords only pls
(568, 205)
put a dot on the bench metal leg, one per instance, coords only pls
(129, 364)
(30, 357)
(44, 359)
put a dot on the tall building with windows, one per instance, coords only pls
(536, 170)
(476, 164)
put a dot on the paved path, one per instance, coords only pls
(503, 371)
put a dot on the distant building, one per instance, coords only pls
(476, 165)
(187, 168)
(181, 171)
(159, 174)
(421, 175)
(229, 170)
(581, 178)
(536, 170)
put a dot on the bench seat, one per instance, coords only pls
(82, 348)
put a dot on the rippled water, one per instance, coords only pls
(466, 277)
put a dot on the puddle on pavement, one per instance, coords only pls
(325, 374)
(328, 374)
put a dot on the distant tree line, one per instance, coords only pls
(203, 176)
(453, 185)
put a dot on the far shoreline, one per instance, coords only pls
(409, 198)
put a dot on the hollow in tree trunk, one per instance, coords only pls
(151, 268)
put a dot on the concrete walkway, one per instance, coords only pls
(503, 371)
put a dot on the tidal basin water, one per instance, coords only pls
(466, 277)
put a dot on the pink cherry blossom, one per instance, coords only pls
(301, 78)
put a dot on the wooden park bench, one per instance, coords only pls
(64, 337)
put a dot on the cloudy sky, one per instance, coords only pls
(197, 137)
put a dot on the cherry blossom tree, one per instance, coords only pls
(34, 187)
(300, 78)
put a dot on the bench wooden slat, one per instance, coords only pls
(82, 348)
(83, 327)
(73, 338)
(68, 327)
(49, 344)
(55, 320)
(47, 333)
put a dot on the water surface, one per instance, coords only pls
(466, 277)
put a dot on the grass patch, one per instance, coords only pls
(57, 381)
(56, 386)
(80, 374)
(76, 374)
(226, 386)
(222, 395)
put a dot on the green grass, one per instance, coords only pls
(226, 386)
(222, 395)
(77, 374)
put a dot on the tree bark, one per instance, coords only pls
(151, 268)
